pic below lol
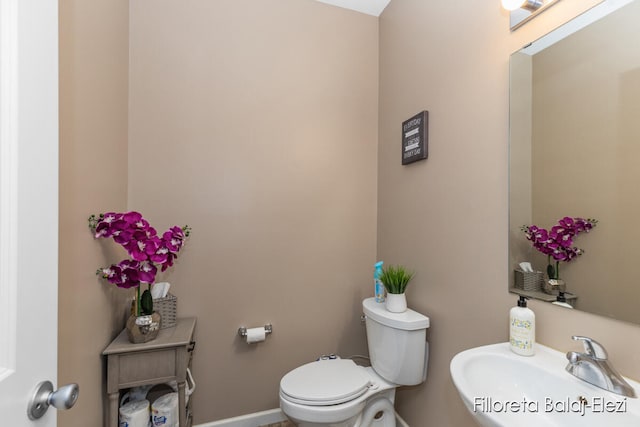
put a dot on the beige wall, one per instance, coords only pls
(520, 94)
(255, 122)
(93, 178)
(446, 217)
(285, 227)
(585, 157)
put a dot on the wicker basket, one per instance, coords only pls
(528, 281)
(167, 307)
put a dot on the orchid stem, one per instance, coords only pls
(137, 301)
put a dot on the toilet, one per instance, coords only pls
(335, 392)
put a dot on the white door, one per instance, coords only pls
(28, 205)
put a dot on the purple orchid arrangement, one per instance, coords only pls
(557, 243)
(147, 250)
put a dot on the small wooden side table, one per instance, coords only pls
(159, 361)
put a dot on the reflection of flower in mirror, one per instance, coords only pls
(557, 243)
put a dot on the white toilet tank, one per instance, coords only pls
(397, 342)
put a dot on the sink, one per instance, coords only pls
(501, 388)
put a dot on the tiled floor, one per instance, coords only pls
(281, 424)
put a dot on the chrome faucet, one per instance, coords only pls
(593, 367)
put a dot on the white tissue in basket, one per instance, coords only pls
(160, 290)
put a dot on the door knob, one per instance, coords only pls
(44, 396)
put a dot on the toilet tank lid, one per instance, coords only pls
(409, 320)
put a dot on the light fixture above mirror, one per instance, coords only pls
(521, 11)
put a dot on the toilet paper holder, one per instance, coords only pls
(242, 331)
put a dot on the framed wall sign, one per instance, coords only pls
(415, 138)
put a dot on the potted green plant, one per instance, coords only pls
(395, 279)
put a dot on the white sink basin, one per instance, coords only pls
(501, 388)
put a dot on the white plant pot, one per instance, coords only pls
(396, 303)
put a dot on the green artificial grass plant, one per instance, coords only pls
(395, 279)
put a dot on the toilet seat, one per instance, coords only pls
(325, 382)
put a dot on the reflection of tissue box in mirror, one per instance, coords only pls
(528, 281)
(167, 307)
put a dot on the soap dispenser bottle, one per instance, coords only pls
(522, 329)
(561, 300)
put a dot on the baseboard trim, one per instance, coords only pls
(251, 420)
(265, 417)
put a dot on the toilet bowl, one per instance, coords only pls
(339, 393)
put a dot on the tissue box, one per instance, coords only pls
(167, 307)
(528, 281)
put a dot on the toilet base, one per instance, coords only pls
(375, 411)
(381, 414)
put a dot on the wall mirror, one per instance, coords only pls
(575, 152)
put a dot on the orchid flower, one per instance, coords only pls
(557, 243)
(146, 249)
